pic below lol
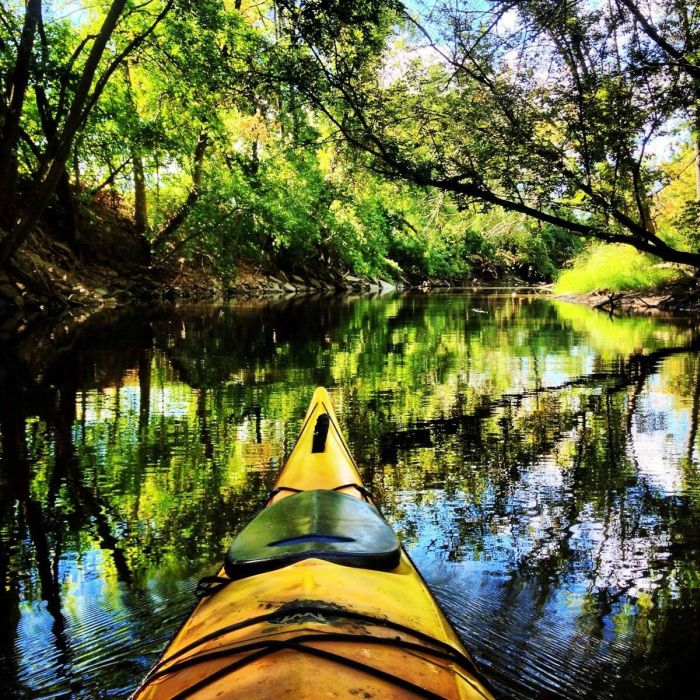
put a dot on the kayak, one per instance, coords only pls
(316, 598)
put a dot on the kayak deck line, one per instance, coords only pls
(270, 647)
(319, 611)
(300, 639)
(365, 493)
(311, 601)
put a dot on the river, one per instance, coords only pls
(539, 460)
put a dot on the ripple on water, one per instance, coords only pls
(540, 461)
(530, 645)
(103, 630)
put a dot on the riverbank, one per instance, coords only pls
(110, 265)
(681, 296)
(102, 262)
(62, 281)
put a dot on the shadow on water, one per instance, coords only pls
(540, 461)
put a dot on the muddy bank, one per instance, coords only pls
(681, 297)
(312, 278)
(110, 265)
(106, 264)
(59, 285)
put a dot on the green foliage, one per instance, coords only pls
(677, 209)
(325, 131)
(613, 268)
(530, 114)
(511, 244)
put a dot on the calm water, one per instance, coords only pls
(540, 461)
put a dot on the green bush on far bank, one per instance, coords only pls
(614, 268)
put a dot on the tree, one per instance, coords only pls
(15, 86)
(140, 201)
(667, 45)
(71, 112)
(542, 107)
(176, 221)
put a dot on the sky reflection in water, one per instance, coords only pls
(540, 461)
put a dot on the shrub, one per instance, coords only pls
(614, 268)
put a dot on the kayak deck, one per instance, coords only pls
(317, 627)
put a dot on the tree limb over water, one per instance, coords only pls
(552, 117)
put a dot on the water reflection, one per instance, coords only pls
(540, 461)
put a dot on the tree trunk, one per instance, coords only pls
(54, 165)
(76, 167)
(140, 203)
(696, 144)
(70, 229)
(12, 114)
(648, 243)
(183, 212)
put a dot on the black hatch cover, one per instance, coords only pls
(320, 524)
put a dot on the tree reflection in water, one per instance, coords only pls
(540, 461)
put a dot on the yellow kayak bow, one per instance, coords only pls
(316, 599)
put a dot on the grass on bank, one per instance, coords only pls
(614, 268)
